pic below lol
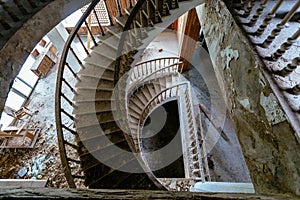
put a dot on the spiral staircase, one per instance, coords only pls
(108, 121)
(100, 118)
(113, 95)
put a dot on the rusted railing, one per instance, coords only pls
(71, 62)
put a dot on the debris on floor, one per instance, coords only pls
(43, 161)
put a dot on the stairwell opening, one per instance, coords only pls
(161, 127)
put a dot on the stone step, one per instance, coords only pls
(107, 51)
(115, 30)
(93, 119)
(94, 130)
(95, 57)
(110, 41)
(86, 136)
(89, 107)
(93, 69)
(104, 82)
(89, 95)
(103, 141)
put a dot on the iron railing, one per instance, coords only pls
(70, 64)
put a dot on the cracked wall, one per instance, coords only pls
(268, 141)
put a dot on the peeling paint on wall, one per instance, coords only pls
(273, 112)
(228, 55)
(245, 103)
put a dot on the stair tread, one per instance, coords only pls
(115, 30)
(87, 123)
(106, 50)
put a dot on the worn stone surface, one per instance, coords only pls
(266, 136)
(18, 47)
(51, 193)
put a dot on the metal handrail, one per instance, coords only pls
(59, 94)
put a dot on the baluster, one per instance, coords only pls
(285, 46)
(268, 19)
(166, 10)
(148, 15)
(280, 26)
(101, 29)
(77, 58)
(119, 8)
(73, 160)
(68, 100)
(68, 115)
(157, 13)
(109, 17)
(71, 145)
(5, 25)
(160, 64)
(174, 4)
(21, 7)
(296, 89)
(70, 130)
(249, 8)
(136, 30)
(81, 42)
(90, 31)
(290, 67)
(69, 86)
(141, 18)
(9, 11)
(258, 13)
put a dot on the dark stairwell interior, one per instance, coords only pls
(161, 127)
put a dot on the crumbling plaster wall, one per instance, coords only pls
(268, 141)
(18, 47)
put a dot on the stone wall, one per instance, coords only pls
(17, 49)
(268, 141)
